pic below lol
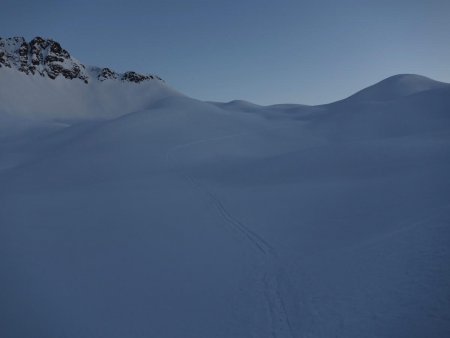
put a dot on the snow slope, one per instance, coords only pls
(39, 98)
(181, 218)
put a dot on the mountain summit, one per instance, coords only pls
(47, 58)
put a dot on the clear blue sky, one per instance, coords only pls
(262, 51)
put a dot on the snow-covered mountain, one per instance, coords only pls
(41, 80)
(47, 58)
(130, 210)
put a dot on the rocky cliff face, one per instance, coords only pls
(46, 57)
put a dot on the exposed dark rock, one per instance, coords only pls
(106, 73)
(2, 59)
(135, 77)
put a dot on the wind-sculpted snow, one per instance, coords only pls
(180, 218)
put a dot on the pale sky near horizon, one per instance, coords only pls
(266, 52)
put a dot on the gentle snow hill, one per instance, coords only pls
(238, 105)
(276, 111)
(395, 87)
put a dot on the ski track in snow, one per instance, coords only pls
(280, 325)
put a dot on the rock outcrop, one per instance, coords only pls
(46, 57)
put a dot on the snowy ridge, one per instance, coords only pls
(47, 58)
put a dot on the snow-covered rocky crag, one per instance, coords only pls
(41, 80)
(130, 210)
(47, 58)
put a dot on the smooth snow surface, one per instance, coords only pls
(138, 212)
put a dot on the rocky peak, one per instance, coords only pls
(107, 74)
(47, 58)
(104, 74)
(135, 77)
(40, 56)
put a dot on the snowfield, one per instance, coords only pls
(131, 210)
